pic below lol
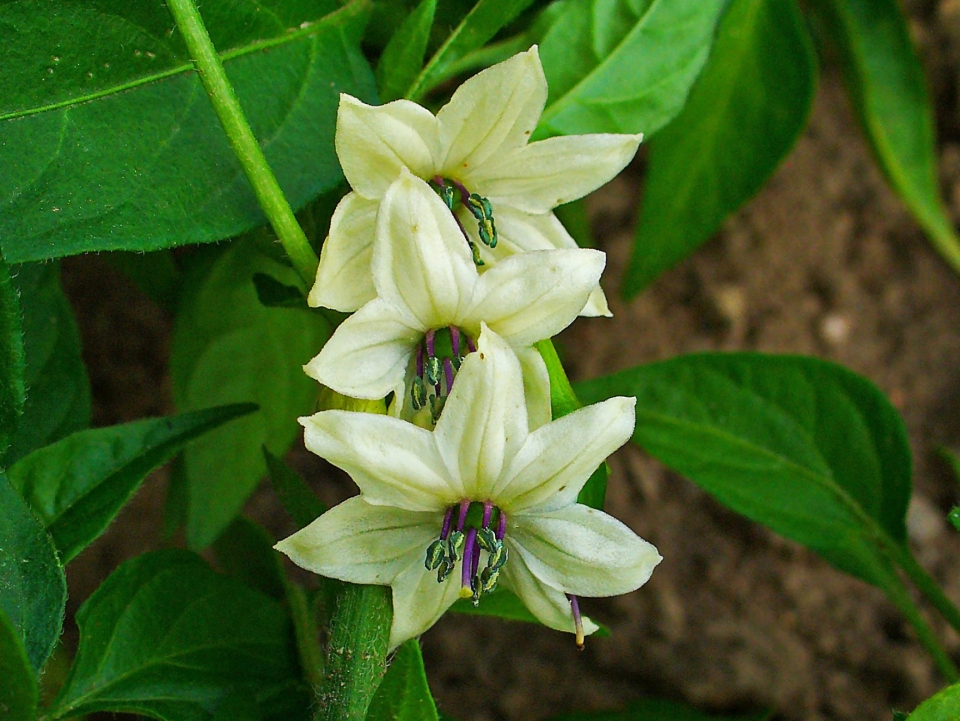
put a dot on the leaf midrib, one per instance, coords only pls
(257, 46)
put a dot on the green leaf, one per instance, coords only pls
(77, 76)
(480, 24)
(623, 66)
(12, 390)
(77, 485)
(804, 446)
(18, 688)
(886, 81)
(58, 391)
(245, 552)
(404, 694)
(228, 348)
(655, 710)
(156, 274)
(745, 112)
(166, 637)
(33, 589)
(402, 59)
(295, 495)
(274, 294)
(945, 706)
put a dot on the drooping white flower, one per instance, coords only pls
(479, 500)
(429, 290)
(475, 146)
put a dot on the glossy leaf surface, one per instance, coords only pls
(77, 485)
(945, 706)
(78, 76)
(404, 694)
(33, 589)
(228, 348)
(18, 682)
(11, 358)
(166, 637)
(743, 115)
(402, 59)
(623, 66)
(804, 446)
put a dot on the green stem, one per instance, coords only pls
(357, 658)
(242, 140)
(928, 587)
(897, 593)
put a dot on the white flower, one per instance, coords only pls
(521, 486)
(478, 140)
(426, 282)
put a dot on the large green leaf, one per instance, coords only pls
(886, 81)
(945, 706)
(228, 348)
(166, 637)
(404, 694)
(18, 682)
(33, 589)
(804, 446)
(12, 389)
(292, 491)
(623, 66)
(77, 485)
(744, 114)
(58, 391)
(402, 58)
(108, 141)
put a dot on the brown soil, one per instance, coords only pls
(825, 261)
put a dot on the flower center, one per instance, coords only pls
(439, 357)
(465, 542)
(454, 194)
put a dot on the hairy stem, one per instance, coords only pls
(241, 138)
(357, 657)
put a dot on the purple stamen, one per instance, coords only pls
(420, 361)
(438, 180)
(470, 345)
(502, 526)
(430, 344)
(577, 619)
(464, 507)
(487, 512)
(448, 372)
(464, 193)
(445, 531)
(469, 557)
(455, 339)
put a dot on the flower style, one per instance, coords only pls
(429, 294)
(480, 491)
(475, 153)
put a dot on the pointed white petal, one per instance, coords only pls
(548, 173)
(374, 143)
(536, 386)
(550, 606)
(492, 112)
(419, 601)
(484, 420)
(344, 278)
(596, 306)
(557, 459)
(420, 260)
(531, 296)
(521, 231)
(361, 543)
(582, 551)
(394, 463)
(367, 355)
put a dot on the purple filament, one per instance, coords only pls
(430, 344)
(464, 507)
(470, 345)
(448, 373)
(448, 516)
(577, 619)
(464, 193)
(502, 526)
(455, 339)
(469, 558)
(420, 361)
(487, 512)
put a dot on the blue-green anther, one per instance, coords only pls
(455, 546)
(448, 194)
(487, 539)
(457, 361)
(431, 370)
(436, 407)
(481, 209)
(477, 260)
(436, 554)
(488, 580)
(418, 393)
(444, 570)
(497, 557)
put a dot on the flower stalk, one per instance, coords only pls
(242, 140)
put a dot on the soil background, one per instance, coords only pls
(824, 261)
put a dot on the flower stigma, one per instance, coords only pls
(454, 194)
(472, 536)
(438, 359)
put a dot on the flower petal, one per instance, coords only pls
(394, 463)
(550, 606)
(548, 173)
(420, 258)
(374, 143)
(536, 386)
(582, 551)
(521, 231)
(361, 543)
(558, 458)
(419, 601)
(367, 355)
(484, 420)
(531, 296)
(492, 112)
(344, 278)
(596, 306)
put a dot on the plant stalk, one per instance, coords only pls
(357, 656)
(242, 140)
(928, 587)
